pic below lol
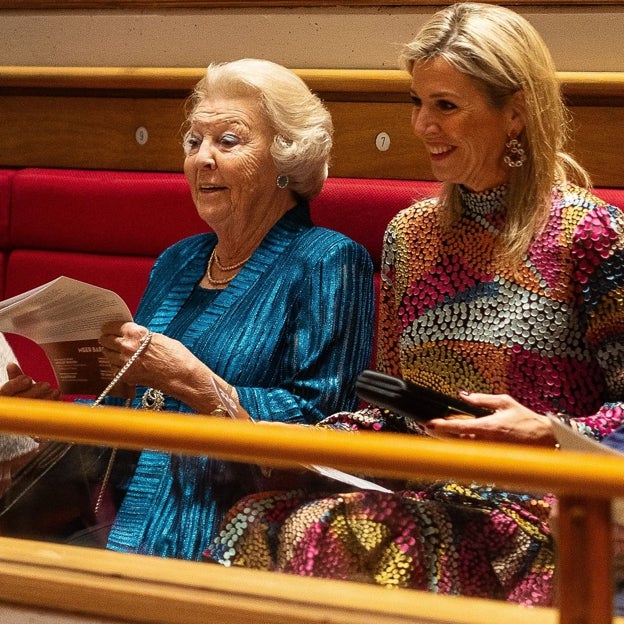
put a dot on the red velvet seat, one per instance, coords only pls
(107, 227)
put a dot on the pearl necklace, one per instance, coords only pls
(215, 258)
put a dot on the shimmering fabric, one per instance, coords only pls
(453, 316)
(444, 538)
(291, 332)
(551, 334)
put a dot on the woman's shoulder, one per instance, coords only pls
(417, 209)
(574, 196)
(588, 220)
(579, 208)
(322, 240)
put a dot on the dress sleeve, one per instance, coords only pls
(388, 329)
(330, 341)
(598, 253)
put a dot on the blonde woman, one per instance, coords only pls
(506, 289)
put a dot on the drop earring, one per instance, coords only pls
(515, 156)
(282, 181)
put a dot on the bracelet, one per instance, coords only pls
(222, 410)
(153, 399)
(142, 346)
(564, 418)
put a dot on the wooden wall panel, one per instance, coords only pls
(90, 132)
(355, 152)
(50, 120)
(598, 142)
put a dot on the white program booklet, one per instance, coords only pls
(570, 440)
(64, 317)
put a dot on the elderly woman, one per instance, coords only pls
(270, 310)
(506, 289)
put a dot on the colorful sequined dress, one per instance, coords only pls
(452, 316)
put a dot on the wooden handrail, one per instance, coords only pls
(585, 484)
(389, 455)
(137, 588)
(608, 85)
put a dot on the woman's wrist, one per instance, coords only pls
(564, 419)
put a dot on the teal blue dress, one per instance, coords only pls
(291, 332)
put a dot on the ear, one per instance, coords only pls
(516, 112)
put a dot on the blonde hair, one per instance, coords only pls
(303, 126)
(504, 54)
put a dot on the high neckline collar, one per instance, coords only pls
(483, 203)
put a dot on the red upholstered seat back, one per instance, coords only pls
(108, 212)
(6, 176)
(103, 227)
(361, 208)
(107, 227)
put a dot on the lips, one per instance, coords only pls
(210, 188)
(439, 150)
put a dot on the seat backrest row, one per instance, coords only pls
(107, 227)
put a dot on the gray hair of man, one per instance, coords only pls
(303, 126)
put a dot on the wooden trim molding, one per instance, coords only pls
(25, 5)
(577, 87)
(137, 588)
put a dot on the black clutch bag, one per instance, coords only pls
(410, 400)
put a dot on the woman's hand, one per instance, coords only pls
(510, 422)
(9, 467)
(24, 386)
(159, 364)
(165, 364)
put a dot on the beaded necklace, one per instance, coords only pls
(215, 258)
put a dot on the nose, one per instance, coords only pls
(422, 121)
(206, 155)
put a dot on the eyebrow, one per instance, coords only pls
(213, 118)
(441, 94)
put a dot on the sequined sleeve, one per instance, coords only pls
(597, 249)
(388, 330)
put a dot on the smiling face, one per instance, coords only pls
(463, 132)
(228, 163)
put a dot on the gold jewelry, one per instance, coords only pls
(111, 460)
(153, 399)
(220, 411)
(227, 280)
(515, 156)
(228, 268)
(142, 346)
(226, 395)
